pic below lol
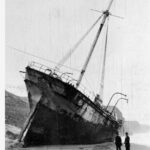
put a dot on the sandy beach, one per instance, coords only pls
(12, 132)
(104, 146)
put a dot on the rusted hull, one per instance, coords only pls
(49, 127)
(60, 114)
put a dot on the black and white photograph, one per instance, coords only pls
(77, 74)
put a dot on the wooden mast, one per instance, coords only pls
(105, 15)
(103, 67)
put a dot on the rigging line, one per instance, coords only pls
(64, 59)
(30, 54)
(121, 65)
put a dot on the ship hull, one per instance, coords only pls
(56, 118)
(52, 128)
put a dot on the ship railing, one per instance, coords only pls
(53, 72)
(64, 76)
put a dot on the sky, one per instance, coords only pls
(50, 28)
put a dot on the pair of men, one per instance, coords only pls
(118, 142)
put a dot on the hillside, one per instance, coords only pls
(16, 109)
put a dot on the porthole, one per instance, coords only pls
(80, 102)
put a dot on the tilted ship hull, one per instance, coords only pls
(61, 114)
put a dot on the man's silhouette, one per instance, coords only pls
(127, 141)
(118, 142)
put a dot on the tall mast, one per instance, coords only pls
(103, 66)
(105, 15)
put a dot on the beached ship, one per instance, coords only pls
(61, 113)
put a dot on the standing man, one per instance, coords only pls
(127, 141)
(118, 142)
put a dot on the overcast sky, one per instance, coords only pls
(49, 28)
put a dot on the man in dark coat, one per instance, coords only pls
(127, 141)
(118, 142)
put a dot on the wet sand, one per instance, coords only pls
(104, 146)
(11, 144)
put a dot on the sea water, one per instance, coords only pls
(140, 138)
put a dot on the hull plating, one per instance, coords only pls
(50, 127)
(62, 115)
